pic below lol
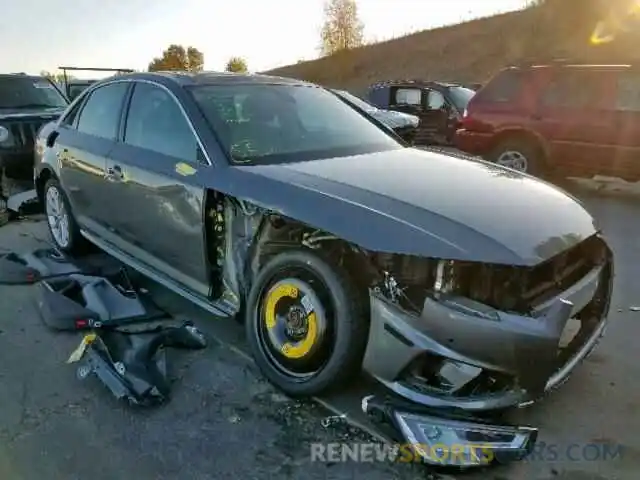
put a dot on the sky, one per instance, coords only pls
(38, 35)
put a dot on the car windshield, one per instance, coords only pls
(357, 101)
(29, 92)
(460, 97)
(266, 123)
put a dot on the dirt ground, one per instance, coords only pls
(225, 421)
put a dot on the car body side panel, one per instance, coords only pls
(82, 163)
(160, 211)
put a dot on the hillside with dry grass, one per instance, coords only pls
(473, 51)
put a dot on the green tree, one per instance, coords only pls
(342, 29)
(176, 57)
(237, 64)
(55, 77)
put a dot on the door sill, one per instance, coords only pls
(216, 308)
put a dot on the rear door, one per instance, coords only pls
(626, 160)
(86, 136)
(575, 114)
(157, 201)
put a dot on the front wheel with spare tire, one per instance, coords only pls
(520, 154)
(306, 324)
(63, 228)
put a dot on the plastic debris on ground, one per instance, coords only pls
(133, 365)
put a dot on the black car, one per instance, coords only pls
(439, 106)
(451, 282)
(26, 103)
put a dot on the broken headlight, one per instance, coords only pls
(447, 282)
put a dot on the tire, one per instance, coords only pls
(531, 156)
(75, 243)
(336, 356)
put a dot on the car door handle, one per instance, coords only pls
(115, 173)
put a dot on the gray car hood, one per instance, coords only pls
(423, 203)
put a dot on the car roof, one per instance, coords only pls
(20, 75)
(184, 78)
(416, 82)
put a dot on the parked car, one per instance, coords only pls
(559, 119)
(452, 282)
(26, 103)
(404, 124)
(438, 105)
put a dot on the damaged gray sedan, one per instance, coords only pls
(455, 283)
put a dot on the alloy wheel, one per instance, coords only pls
(513, 159)
(57, 217)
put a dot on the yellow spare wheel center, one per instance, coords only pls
(300, 315)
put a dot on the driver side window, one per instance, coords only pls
(435, 100)
(408, 96)
(155, 122)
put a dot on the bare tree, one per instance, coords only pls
(342, 29)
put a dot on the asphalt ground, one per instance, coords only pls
(225, 421)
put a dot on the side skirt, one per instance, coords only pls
(216, 308)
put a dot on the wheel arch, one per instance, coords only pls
(530, 136)
(45, 174)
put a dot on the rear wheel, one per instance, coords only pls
(305, 324)
(521, 155)
(63, 228)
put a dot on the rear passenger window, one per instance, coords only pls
(505, 87)
(574, 90)
(100, 115)
(628, 92)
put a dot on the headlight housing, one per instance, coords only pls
(6, 139)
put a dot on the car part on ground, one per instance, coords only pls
(133, 365)
(558, 120)
(404, 124)
(438, 105)
(47, 263)
(80, 302)
(448, 438)
(27, 102)
(265, 167)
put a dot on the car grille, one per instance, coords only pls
(23, 132)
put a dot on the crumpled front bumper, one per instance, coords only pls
(523, 349)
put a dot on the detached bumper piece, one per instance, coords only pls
(32, 267)
(24, 203)
(80, 302)
(448, 438)
(133, 365)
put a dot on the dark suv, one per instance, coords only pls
(558, 120)
(26, 103)
(438, 105)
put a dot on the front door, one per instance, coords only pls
(428, 105)
(157, 200)
(625, 162)
(85, 137)
(575, 113)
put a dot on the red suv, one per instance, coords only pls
(560, 119)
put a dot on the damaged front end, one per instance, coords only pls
(486, 337)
